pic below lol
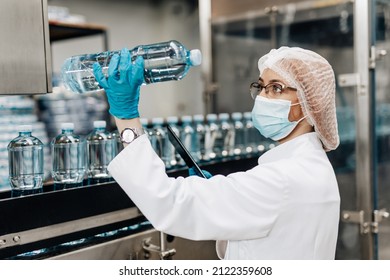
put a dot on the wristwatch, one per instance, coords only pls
(129, 134)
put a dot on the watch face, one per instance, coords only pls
(128, 135)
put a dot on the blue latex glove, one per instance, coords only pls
(122, 85)
(191, 172)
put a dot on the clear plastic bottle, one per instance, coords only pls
(239, 137)
(101, 149)
(159, 140)
(200, 138)
(119, 144)
(251, 135)
(187, 135)
(68, 152)
(164, 61)
(212, 148)
(26, 163)
(145, 124)
(226, 136)
(173, 156)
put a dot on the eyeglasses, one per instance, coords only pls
(273, 89)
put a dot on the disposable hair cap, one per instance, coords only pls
(313, 77)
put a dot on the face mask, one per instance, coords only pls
(270, 117)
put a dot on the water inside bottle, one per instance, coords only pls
(26, 168)
(165, 61)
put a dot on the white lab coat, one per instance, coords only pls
(287, 207)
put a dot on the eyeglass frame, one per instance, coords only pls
(261, 87)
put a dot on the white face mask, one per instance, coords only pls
(270, 117)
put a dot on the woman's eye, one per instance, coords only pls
(277, 88)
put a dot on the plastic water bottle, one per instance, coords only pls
(200, 138)
(145, 124)
(251, 135)
(25, 161)
(68, 152)
(211, 146)
(119, 144)
(164, 61)
(174, 158)
(239, 138)
(159, 140)
(226, 135)
(101, 149)
(187, 135)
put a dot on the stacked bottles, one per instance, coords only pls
(101, 149)
(164, 61)
(26, 168)
(68, 158)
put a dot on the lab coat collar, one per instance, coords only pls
(296, 146)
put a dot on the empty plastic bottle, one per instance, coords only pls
(101, 149)
(200, 138)
(159, 140)
(226, 135)
(25, 161)
(212, 149)
(68, 152)
(239, 137)
(173, 156)
(164, 61)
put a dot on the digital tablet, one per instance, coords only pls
(183, 152)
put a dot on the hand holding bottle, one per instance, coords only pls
(122, 85)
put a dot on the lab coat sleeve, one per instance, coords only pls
(243, 205)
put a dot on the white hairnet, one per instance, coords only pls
(313, 77)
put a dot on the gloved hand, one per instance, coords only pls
(191, 172)
(122, 85)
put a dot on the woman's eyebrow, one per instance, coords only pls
(276, 81)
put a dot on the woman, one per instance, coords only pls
(287, 207)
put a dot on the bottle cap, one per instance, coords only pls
(25, 128)
(186, 119)
(248, 115)
(236, 115)
(199, 118)
(211, 117)
(67, 126)
(172, 119)
(157, 120)
(195, 57)
(99, 124)
(223, 116)
(144, 121)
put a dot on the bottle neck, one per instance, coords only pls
(67, 131)
(25, 133)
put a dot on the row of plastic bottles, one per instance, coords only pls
(73, 158)
(208, 138)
